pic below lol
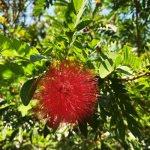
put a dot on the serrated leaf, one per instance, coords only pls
(27, 91)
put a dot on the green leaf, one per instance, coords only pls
(83, 128)
(27, 91)
(131, 59)
(15, 68)
(130, 109)
(118, 60)
(2, 110)
(24, 109)
(45, 131)
(4, 132)
(61, 3)
(38, 7)
(121, 129)
(14, 133)
(77, 4)
(3, 102)
(83, 24)
(106, 67)
(94, 122)
(113, 120)
(133, 126)
(11, 47)
(10, 70)
(80, 13)
(36, 57)
(124, 70)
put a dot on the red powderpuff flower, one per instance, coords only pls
(67, 94)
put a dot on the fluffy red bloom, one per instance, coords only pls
(67, 94)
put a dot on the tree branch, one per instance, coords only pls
(136, 77)
(137, 27)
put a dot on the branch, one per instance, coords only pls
(136, 77)
(137, 27)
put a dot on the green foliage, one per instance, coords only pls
(15, 48)
(39, 7)
(113, 44)
(27, 91)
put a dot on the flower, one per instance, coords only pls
(67, 94)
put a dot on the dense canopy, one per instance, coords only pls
(109, 40)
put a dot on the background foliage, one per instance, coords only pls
(110, 37)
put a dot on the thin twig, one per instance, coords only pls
(136, 77)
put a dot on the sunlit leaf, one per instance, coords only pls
(12, 47)
(39, 7)
(80, 13)
(106, 67)
(77, 5)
